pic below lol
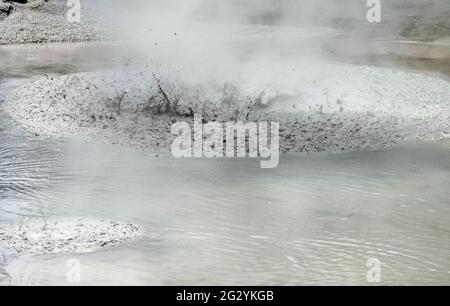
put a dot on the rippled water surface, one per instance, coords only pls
(313, 220)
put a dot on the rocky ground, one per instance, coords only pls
(323, 112)
(39, 21)
(51, 235)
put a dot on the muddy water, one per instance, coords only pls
(313, 220)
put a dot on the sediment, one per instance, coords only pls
(43, 235)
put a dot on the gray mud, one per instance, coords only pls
(40, 236)
(325, 113)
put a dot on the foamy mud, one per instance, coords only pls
(40, 236)
(321, 108)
